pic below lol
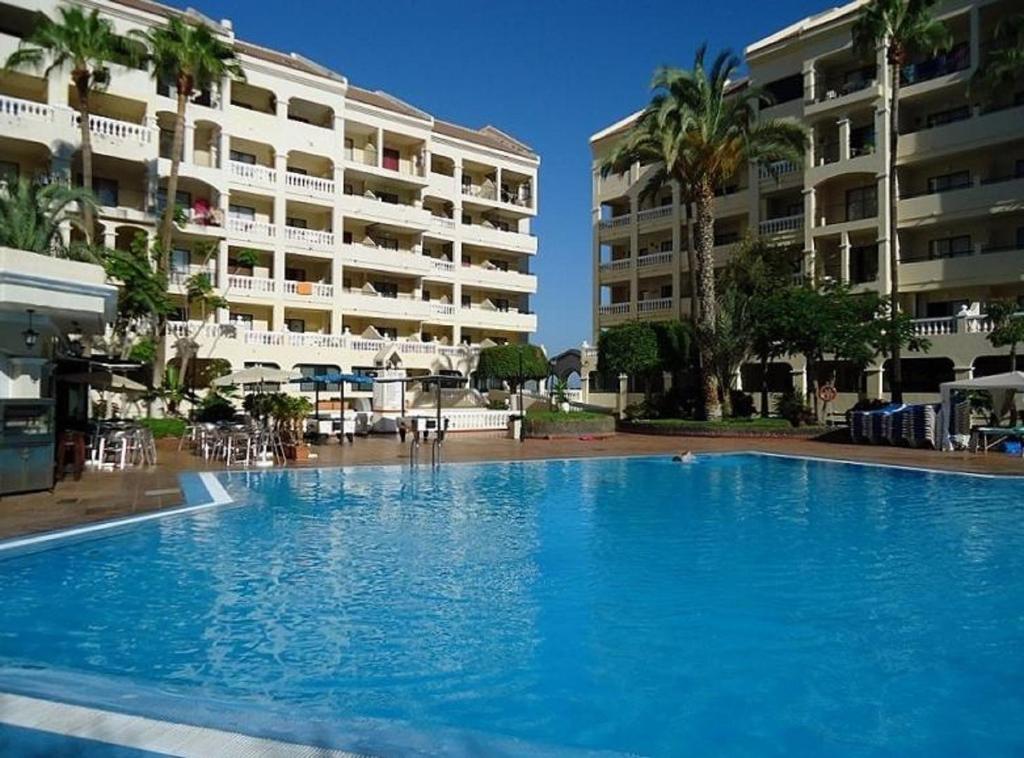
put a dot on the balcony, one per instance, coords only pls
(921, 271)
(374, 209)
(396, 261)
(979, 130)
(250, 286)
(365, 161)
(304, 184)
(980, 198)
(777, 169)
(654, 214)
(622, 264)
(490, 193)
(947, 325)
(614, 309)
(782, 224)
(511, 319)
(499, 238)
(308, 290)
(253, 174)
(251, 229)
(615, 222)
(655, 305)
(654, 259)
(499, 279)
(311, 239)
(404, 306)
(442, 225)
(18, 111)
(957, 59)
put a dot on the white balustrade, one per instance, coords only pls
(652, 306)
(251, 227)
(253, 173)
(444, 310)
(783, 224)
(612, 223)
(116, 129)
(313, 185)
(15, 107)
(620, 265)
(655, 259)
(317, 290)
(316, 238)
(652, 214)
(250, 285)
(615, 309)
(442, 265)
(776, 168)
(443, 223)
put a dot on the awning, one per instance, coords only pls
(103, 380)
(254, 375)
(1002, 388)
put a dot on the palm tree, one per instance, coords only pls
(31, 214)
(1003, 69)
(192, 57)
(86, 43)
(700, 130)
(901, 28)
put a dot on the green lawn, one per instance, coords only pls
(557, 416)
(767, 424)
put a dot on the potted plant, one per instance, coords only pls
(289, 413)
(560, 395)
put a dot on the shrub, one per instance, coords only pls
(164, 427)
(215, 407)
(742, 404)
(793, 408)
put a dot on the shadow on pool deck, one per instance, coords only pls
(104, 495)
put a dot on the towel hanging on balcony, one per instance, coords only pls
(304, 288)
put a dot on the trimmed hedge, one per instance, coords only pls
(164, 427)
(572, 424)
(757, 427)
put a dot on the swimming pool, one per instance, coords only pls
(741, 605)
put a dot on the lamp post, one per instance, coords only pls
(522, 410)
(30, 335)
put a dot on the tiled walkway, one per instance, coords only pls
(104, 495)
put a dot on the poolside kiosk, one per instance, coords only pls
(333, 377)
(427, 424)
(1003, 389)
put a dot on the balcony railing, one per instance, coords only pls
(312, 238)
(655, 305)
(443, 266)
(444, 310)
(312, 185)
(253, 173)
(936, 327)
(251, 285)
(776, 169)
(251, 227)
(316, 290)
(655, 259)
(614, 309)
(832, 87)
(957, 59)
(116, 129)
(782, 224)
(15, 107)
(615, 221)
(651, 214)
(622, 264)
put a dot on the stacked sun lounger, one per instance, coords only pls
(919, 427)
(879, 423)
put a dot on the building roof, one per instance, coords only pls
(806, 25)
(488, 136)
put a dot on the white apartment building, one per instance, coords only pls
(383, 236)
(961, 197)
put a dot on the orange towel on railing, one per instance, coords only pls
(304, 288)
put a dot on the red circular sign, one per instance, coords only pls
(827, 393)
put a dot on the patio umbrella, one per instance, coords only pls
(332, 377)
(256, 375)
(104, 380)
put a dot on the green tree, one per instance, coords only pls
(86, 43)
(142, 298)
(1002, 70)
(699, 130)
(31, 214)
(1008, 327)
(513, 363)
(900, 28)
(194, 59)
(631, 348)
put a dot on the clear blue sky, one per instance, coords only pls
(550, 72)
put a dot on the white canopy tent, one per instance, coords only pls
(255, 375)
(1002, 387)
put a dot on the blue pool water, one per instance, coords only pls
(743, 605)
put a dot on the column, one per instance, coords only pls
(874, 382)
(634, 253)
(810, 79)
(963, 373)
(799, 379)
(975, 37)
(844, 138)
(222, 265)
(677, 247)
(189, 147)
(497, 183)
(844, 257)
(623, 397)
(457, 211)
(584, 386)
(109, 236)
(457, 292)
(380, 147)
(884, 240)
(810, 221)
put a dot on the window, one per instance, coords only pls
(501, 304)
(296, 170)
(786, 89)
(666, 247)
(295, 325)
(388, 197)
(295, 274)
(467, 338)
(944, 309)
(241, 319)
(386, 289)
(180, 260)
(390, 158)
(666, 291)
(861, 202)
(500, 265)
(243, 212)
(426, 296)
(239, 157)
(346, 237)
(1018, 168)
(298, 223)
(316, 369)
(234, 267)
(106, 190)
(948, 116)
(950, 247)
(387, 332)
(349, 147)
(863, 263)
(862, 139)
(426, 337)
(956, 180)
(467, 301)
(388, 243)
(1020, 237)
(181, 199)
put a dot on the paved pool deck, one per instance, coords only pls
(102, 495)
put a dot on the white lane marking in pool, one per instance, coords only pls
(872, 464)
(143, 733)
(218, 496)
